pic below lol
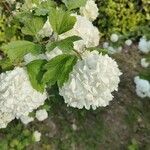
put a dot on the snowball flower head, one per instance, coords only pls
(90, 10)
(144, 45)
(114, 37)
(37, 136)
(17, 96)
(91, 82)
(128, 42)
(144, 63)
(142, 87)
(41, 114)
(84, 29)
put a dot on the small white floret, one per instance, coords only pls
(142, 87)
(144, 63)
(114, 37)
(41, 114)
(144, 45)
(37, 136)
(128, 42)
(90, 10)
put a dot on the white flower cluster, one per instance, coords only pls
(82, 28)
(91, 82)
(90, 10)
(128, 42)
(41, 114)
(114, 37)
(144, 45)
(86, 30)
(37, 136)
(142, 87)
(144, 63)
(17, 96)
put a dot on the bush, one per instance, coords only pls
(122, 16)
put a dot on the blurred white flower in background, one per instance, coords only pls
(114, 37)
(128, 42)
(41, 114)
(144, 63)
(17, 96)
(144, 45)
(91, 82)
(37, 136)
(142, 87)
(90, 10)
(105, 45)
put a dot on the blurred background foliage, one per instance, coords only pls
(128, 17)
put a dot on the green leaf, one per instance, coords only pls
(32, 24)
(35, 73)
(73, 4)
(65, 45)
(66, 69)
(6, 64)
(44, 8)
(61, 20)
(58, 69)
(17, 49)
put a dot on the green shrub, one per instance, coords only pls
(122, 16)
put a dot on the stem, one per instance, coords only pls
(79, 55)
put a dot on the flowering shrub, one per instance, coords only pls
(58, 53)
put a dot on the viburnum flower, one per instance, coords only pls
(105, 45)
(84, 29)
(90, 10)
(142, 87)
(91, 82)
(37, 136)
(41, 114)
(128, 42)
(114, 37)
(144, 63)
(144, 45)
(17, 96)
